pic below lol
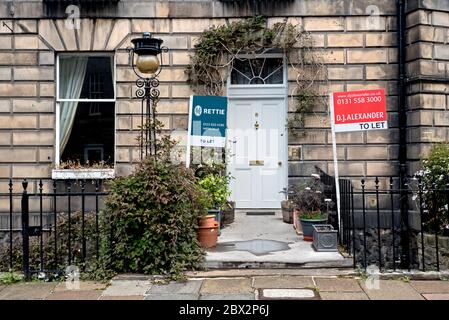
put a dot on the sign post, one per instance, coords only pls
(207, 123)
(355, 111)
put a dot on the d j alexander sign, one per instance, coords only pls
(359, 110)
(207, 123)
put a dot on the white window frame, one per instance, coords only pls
(85, 173)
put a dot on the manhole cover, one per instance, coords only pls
(288, 294)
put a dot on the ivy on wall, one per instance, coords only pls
(220, 46)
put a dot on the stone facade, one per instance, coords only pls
(359, 50)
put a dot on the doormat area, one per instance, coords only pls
(260, 213)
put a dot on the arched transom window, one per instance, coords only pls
(259, 71)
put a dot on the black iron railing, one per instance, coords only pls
(64, 227)
(373, 230)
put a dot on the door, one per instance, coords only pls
(257, 135)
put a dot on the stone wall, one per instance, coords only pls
(428, 78)
(359, 51)
(430, 252)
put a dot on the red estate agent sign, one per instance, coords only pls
(359, 110)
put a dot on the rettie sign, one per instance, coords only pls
(359, 110)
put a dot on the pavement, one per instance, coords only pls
(266, 241)
(318, 284)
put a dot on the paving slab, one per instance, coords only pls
(431, 286)
(27, 291)
(83, 285)
(127, 288)
(343, 296)
(225, 286)
(169, 296)
(184, 287)
(285, 282)
(75, 295)
(391, 290)
(436, 296)
(227, 297)
(337, 284)
(121, 297)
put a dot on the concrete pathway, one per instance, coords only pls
(265, 240)
(234, 286)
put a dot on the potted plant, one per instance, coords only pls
(217, 187)
(309, 206)
(207, 230)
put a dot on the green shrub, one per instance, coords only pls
(435, 178)
(152, 215)
(217, 187)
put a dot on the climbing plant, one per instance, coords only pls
(219, 47)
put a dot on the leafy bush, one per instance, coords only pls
(217, 187)
(435, 178)
(151, 216)
(309, 199)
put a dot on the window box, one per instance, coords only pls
(79, 174)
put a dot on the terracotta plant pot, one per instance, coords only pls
(206, 221)
(207, 236)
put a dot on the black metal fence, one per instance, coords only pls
(60, 228)
(375, 231)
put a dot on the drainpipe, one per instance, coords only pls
(402, 115)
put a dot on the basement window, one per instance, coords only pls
(85, 133)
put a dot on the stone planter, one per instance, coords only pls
(325, 238)
(287, 211)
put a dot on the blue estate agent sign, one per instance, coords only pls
(208, 121)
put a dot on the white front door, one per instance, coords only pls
(258, 160)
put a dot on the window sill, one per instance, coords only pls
(76, 174)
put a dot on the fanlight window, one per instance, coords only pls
(258, 71)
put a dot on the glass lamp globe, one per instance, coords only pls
(147, 63)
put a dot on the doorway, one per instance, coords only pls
(257, 132)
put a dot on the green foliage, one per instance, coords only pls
(219, 46)
(435, 181)
(10, 278)
(217, 187)
(151, 215)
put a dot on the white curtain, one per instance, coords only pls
(71, 78)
